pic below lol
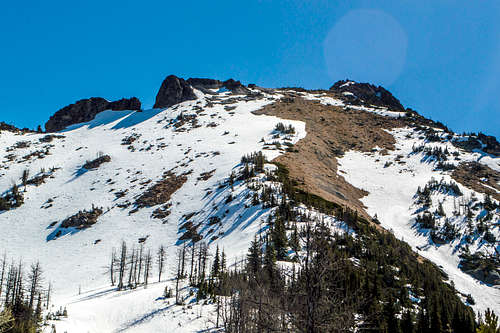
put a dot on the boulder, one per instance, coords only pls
(173, 90)
(86, 109)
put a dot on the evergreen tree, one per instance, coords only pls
(390, 314)
(279, 239)
(294, 240)
(436, 323)
(270, 261)
(490, 324)
(407, 325)
(216, 264)
(254, 261)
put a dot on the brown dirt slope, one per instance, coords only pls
(472, 175)
(161, 192)
(331, 131)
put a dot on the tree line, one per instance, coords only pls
(23, 296)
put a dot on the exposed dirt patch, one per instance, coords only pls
(331, 131)
(161, 212)
(161, 192)
(475, 176)
(190, 232)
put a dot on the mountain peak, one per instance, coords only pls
(369, 93)
(173, 90)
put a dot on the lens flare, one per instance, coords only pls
(367, 46)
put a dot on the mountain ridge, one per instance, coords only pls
(327, 150)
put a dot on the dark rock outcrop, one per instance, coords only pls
(125, 104)
(173, 90)
(202, 83)
(161, 192)
(369, 93)
(11, 128)
(491, 144)
(8, 128)
(487, 143)
(236, 87)
(86, 109)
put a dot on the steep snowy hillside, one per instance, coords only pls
(225, 165)
(203, 140)
(406, 170)
(394, 180)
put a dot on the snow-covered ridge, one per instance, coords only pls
(324, 99)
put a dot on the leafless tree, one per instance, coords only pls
(161, 261)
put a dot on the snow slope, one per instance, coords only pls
(207, 136)
(391, 197)
(221, 130)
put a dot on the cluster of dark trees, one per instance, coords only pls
(464, 206)
(298, 276)
(437, 153)
(423, 195)
(23, 297)
(282, 128)
(332, 282)
(12, 199)
(340, 283)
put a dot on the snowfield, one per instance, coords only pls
(221, 130)
(140, 310)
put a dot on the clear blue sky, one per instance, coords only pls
(441, 58)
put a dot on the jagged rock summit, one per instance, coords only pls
(175, 90)
(236, 87)
(86, 109)
(369, 93)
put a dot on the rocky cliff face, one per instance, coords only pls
(203, 84)
(368, 93)
(86, 110)
(173, 90)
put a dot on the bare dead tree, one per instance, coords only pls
(35, 281)
(161, 261)
(183, 259)
(131, 269)
(178, 277)
(191, 278)
(122, 264)
(112, 267)
(140, 260)
(49, 290)
(2, 273)
(147, 267)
